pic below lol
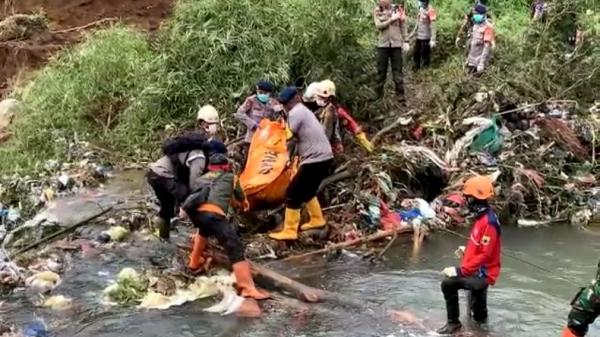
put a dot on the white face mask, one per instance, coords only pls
(320, 102)
(212, 128)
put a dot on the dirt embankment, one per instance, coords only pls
(19, 56)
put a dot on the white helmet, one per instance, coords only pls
(311, 92)
(326, 89)
(209, 114)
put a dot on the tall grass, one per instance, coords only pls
(118, 90)
(82, 93)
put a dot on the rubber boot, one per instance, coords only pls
(315, 214)
(449, 328)
(291, 222)
(196, 259)
(163, 226)
(245, 283)
(248, 309)
(568, 333)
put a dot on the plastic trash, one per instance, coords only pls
(35, 329)
(489, 140)
(425, 209)
(407, 216)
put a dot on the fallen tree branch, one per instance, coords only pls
(398, 122)
(53, 236)
(385, 249)
(369, 238)
(335, 178)
(91, 24)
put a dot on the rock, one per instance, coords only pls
(8, 109)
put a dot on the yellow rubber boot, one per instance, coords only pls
(291, 223)
(315, 214)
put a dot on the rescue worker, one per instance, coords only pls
(426, 34)
(390, 21)
(332, 116)
(315, 159)
(172, 176)
(467, 24)
(585, 308)
(480, 265)
(254, 109)
(207, 208)
(208, 122)
(482, 41)
(538, 10)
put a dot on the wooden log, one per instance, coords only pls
(299, 290)
(369, 238)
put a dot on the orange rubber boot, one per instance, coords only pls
(245, 283)
(568, 333)
(196, 259)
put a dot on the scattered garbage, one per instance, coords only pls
(113, 234)
(43, 282)
(35, 329)
(129, 288)
(58, 302)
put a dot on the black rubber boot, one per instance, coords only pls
(449, 328)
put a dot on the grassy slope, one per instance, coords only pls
(118, 91)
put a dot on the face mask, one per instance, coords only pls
(321, 102)
(263, 98)
(211, 129)
(420, 4)
(478, 18)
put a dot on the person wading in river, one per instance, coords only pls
(207, 207)
(480, 266)
(316, 157)
(184, 158)
(585, 308)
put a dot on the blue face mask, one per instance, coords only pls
(478, 18)
(263, 98)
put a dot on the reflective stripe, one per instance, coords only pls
(475, 241)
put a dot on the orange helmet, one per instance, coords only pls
(479, 187)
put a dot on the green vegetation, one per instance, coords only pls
(118, 91)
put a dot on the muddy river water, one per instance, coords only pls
(526, 302)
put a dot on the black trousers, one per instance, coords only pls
(169, 192)
(478, 287)
(422, 54)
(584, 311)
(385, 56)
(215, 225)
(305, 184)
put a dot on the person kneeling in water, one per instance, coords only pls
(207, 208)
(585, 308)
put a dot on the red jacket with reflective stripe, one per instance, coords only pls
(347, 121)
(482, 255)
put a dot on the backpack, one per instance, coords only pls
(200, 195)
(192, 141)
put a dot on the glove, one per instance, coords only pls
(405, 47)
(450, 272)
(480, 68)
(395, 16)
(361, 138)
(182, 214)
(432, 44)
(460, 251)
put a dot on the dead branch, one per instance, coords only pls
(55, 235)
(91, 24)
(365, 239)
(335, 178)
(398, 122)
